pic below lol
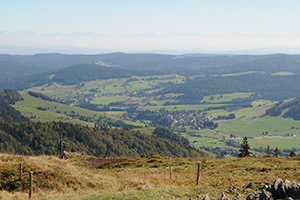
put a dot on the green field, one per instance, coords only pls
(282, 143)
(182, 107)
(106, 86)
(109, 99)
(273, 125)
(225, 97)
(59, 112)
(213, 143)
(236, 74)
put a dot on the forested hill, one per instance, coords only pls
(264, 64)
(140, 61)
(289, 108)
(58, 61)
(8, 113)
(272, 64)
(36, 138)
(73, 75)
(264, 86)
(21, 65)
(178, 63)
(13, 69)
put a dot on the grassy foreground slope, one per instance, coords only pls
(85, 177)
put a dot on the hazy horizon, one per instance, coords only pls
(182, 25)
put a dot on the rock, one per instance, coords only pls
(264, 195)
(288, 198)
(232, 189)
(238, 195)
(250, 185)
(206, 197)
(252, 196)
(223, 196)
(65, 155)
(279, 190)
(277, 184)
(264, 187)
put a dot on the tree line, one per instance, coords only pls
(37, 138)
(263, 86)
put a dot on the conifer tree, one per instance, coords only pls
(268, 153)
(277, 152)
(292, 154)
(245, 147)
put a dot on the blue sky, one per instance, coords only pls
(151, 24)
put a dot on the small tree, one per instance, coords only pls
(268, 153)
(277, 152)
(292, 154)
(245, 147)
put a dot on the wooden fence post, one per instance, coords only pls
(170, 167)
(30, 185)
(198, 173)
(61, 144)
(20, 177)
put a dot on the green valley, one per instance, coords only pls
(214, 105)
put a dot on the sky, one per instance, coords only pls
(202, 25)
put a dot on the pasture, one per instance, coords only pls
(225, 97)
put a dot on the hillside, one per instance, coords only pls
(289, 108)
(267, 64)
(186, 62)
(14, 69)
(58, 61)
(43, 138)
(74, 69)
(8, 113)
(139, 61)
(36, 138)
(264, 86)
(87, 177)
(72, 75)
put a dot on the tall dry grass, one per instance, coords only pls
(84, 177)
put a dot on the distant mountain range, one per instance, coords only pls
(68, 49)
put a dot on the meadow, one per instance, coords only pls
(225, 97)
(55, 111)
(106, 86)
(86, 177)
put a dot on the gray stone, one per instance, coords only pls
(264, 195)
(238, 195)
(264, 187)
(223, 196)
(252, 196)
(250, 185)
(206, 197)
(232, 189)
(278, 190)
